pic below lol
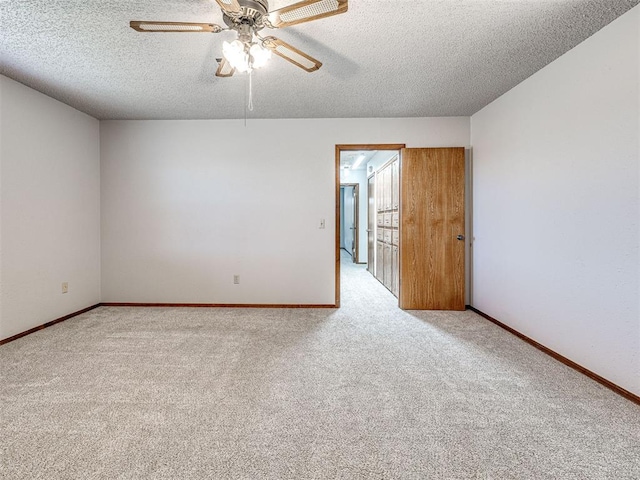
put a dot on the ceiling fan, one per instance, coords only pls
(247, 18)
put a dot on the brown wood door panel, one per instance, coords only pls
(431, 218)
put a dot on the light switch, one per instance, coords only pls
(322, 224)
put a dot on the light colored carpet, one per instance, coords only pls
(367, 391)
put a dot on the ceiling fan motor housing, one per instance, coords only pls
(251, 14)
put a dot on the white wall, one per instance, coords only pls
(49, 209)
(359, 177)
(556, 205)
(188, 204)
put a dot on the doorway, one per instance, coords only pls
(349, 214)
(363, 253)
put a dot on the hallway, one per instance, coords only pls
(359, 288)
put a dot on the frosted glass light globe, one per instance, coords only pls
(235, 55)
(259, 55)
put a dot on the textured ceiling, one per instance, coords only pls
(348, 158)
(383, 58)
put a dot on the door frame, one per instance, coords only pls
(356, 214)
(339, 149)
(371, 221)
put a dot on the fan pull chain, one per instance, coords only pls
(245, 104)
(251, 90)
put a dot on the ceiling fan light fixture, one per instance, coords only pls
(236, 55)
(244, 57)
(259, 56)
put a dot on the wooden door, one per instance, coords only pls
(371, 224)
(431, 219)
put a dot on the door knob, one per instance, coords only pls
(460, 237)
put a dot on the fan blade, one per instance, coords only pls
(291, 54)
(306, 11)
(224, 68)
(175, 27)
(229, 6)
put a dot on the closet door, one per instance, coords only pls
(379, 192)
(394, 270)
(395, 183)
(388, 187)
(388, 266)
(380, 260)
(432, 221)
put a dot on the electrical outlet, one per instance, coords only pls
(236, 279)
(65, 287)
